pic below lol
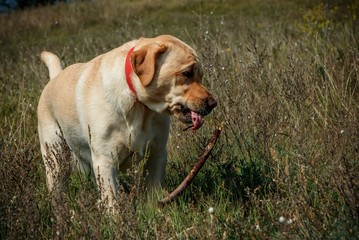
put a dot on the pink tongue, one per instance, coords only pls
(197, 120)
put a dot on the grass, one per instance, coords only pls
(286, 77)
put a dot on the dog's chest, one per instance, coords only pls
(142, 132)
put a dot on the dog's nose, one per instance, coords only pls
(211, 103)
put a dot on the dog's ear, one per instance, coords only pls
(144, 60)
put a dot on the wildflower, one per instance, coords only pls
(211, 210)
(281, 219)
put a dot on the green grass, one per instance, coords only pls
(286, 77)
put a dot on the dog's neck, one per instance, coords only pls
(139, 95)
(129, 70)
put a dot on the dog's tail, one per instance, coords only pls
(52, 62)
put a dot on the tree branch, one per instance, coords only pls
(187, 181)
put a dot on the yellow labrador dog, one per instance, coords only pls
(118, 104)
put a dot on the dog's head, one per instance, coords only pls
(170, 76)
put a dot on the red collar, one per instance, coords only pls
(129, 70)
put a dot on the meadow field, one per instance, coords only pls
(286, 78)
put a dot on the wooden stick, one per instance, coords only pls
(187, 181)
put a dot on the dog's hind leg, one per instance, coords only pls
(57, 159)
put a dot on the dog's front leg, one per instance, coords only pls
(105, 173)
(155, 166)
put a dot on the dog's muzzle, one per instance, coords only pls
(195, 113)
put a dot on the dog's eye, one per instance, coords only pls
(188, 74)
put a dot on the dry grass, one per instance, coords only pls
(288, 93)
